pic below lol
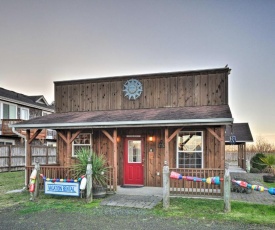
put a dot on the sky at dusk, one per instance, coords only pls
(44, 41)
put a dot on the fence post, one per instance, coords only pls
(9, 160)
(36, 190)
(166, 186)
(89, 197)
(227, 189)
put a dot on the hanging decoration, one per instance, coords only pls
(210, 180)
(258, 188)
(62, 180)
(32, 181)
(217, 180)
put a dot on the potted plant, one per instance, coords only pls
(99, 169)
(269, 161)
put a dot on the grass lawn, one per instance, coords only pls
(180, 207)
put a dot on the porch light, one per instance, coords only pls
(150, 138)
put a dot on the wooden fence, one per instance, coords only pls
(184, 187)
(12, 157)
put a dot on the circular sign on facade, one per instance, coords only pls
(132, 89)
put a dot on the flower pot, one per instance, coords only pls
(269, 178)
(99, 191)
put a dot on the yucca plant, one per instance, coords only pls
(268, 160)
(99, 166)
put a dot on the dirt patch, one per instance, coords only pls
(108, 218)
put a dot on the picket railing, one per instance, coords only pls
(67, 172)
(184, 187)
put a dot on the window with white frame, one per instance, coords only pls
(9, 111)
(44, 113)
(24, 113)
(6, 142)
(83, 140)
(190, 149)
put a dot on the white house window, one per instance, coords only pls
(9, 111)
(24, 113)
(44, 113)
(83, 140)
(190, 149)
(6, 142)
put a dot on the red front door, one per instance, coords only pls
(133, 161)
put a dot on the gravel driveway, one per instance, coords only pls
(108, 218)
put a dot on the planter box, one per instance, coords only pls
(269, 178)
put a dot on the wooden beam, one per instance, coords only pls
(174, 134)
(166, 150)
(214, 134)
(28, 157)
(75, 136)
(108, 135)
(69, 149)
(115, 158)
(62, 136)
(222, 146)
(35, 135)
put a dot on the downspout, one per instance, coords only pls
(24, 137)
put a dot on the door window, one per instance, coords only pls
(134, 151)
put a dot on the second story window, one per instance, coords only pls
(24, 114)
(9, 111)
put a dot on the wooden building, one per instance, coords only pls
(241, 135)
(140, 122)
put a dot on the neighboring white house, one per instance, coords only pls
(15, 107)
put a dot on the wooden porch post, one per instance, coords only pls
(114, 141)
(115, 159)
(222, 146)
(28, 157)
(68, 149)
(166, 153)
(244, 154)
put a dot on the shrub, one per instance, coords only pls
(254, 170)
(256, 162)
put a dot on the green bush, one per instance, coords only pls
(254, 170)
(256, 162)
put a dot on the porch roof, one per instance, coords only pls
(198, 115)
(241, 131)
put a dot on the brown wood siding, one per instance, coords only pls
(158, 91)
(213, 157)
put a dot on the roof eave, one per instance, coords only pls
(124, 124)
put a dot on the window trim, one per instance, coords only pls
(202, 147)
(7, 140)
(27, 109)
(73, 144)
(2, 109)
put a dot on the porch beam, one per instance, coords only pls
(174, 134)
(62, 136)
(74, 136)
(69, 152)
(166, 153)
(214, 134)
(34, 135)
(115, 158)
(28, 148)
(108, 135)
(222, 146)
